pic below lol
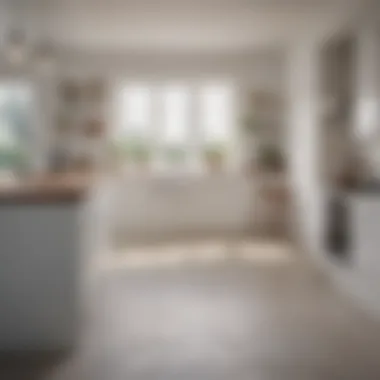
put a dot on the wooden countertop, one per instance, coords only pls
(48, 189)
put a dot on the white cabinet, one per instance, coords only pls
(40, 275)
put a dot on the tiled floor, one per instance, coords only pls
(225, 318)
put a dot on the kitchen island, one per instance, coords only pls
(43, 251)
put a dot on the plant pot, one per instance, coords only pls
(214, 156)
(174, 157)
(214, 164)
(270, 160)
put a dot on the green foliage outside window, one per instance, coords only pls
(14, 117)
(131, 151)
(13, 158)
(174, 154)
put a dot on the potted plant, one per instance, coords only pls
(119, 153)
(214, 156)
(130, 153)
(270, 159)
(175, 155)
(250, 124)
(261, 154)
(139, 154)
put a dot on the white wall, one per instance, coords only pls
(304, 140)
(260, 67)
(368, 89)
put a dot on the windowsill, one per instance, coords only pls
(180, 174)
(181, 184)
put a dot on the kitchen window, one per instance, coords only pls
(15, 127)
(175, 127)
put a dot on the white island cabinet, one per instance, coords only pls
(42, 265)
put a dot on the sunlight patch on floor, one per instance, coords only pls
(175, 254)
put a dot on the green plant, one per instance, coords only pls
(270, 158)
(256, 125)
(128, 150)
(139, 153)
(175, 154)
(215, 149)
(13, 158)
(214, 153)
(250, 124)
(117, 149)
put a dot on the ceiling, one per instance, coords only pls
(177, 25)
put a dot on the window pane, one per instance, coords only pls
(132, 140)
(216, 113)
(15, 128)
(135, 110)
(176, 115)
